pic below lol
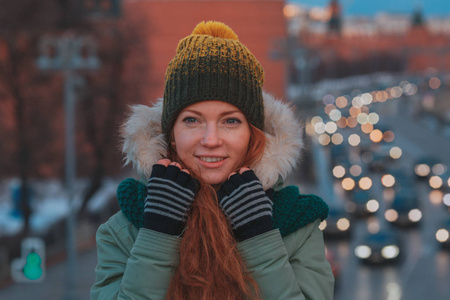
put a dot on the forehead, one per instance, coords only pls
(212, 105)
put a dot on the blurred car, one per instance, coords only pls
(337, 224)
(381, 158)
(377, 248)
(443, 235)
(424, 166)
(398, 179)
(361, 203)
(404, 209)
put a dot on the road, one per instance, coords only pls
(424, 270)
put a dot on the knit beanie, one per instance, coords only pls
(212, 64)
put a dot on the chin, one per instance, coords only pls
(214, 179)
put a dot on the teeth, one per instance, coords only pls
(211, 159)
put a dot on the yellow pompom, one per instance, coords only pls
(215, 29)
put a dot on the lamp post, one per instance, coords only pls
(69, 54)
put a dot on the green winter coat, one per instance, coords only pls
(287, 262)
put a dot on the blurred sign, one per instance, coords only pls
(30, 267)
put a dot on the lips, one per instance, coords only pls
(211, 161)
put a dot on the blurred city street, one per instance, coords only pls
(370, 81)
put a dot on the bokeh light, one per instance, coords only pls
(367, 128)
(435, 182)
(366, 98)
(324, 139)
(354, 139)
(376, 136)
(434, 83)
(442, 235)
(342, 122)
(348, 184)
(319, 127)
(436, 197)
(365, 183)
(351, 122)
(373, 118)
(331, 127)
(362, 118)
(355, 170)
(337, 138)
(415, 215)
(335, 114)
(391, 215)
(439, 169)
(338, 171)
(388, 180)
(341, 102)
(396, 92)
(395, 152)
(388, 136)
(372, 205)
(422, 170)
(343, 224)
(446, 199)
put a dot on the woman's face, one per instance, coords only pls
(211, 138)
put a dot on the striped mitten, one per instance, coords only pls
(170, 193)
(246, 205)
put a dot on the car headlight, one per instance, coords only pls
(391, 215)
(343, 224)
(442, 235)
(363, 251)
(390, 252)
(415, 215)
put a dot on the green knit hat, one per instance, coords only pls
(211, 64)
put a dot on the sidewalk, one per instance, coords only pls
(54, 285)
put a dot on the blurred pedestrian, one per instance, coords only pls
(213, 220)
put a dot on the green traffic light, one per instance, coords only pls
(32, 269)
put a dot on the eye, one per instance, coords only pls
(233, 121)
(189, 120)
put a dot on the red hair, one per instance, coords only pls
(210, 266)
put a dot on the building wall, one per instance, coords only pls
(258, 25)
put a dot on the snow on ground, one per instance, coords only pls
(49, 203)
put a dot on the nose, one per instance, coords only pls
(211, 136)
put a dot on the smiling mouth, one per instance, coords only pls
(211, 159)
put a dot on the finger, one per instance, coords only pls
(165, 162)
(231, 174)
(174, 163)
(158, 170)
(185, 171)
(249, 175)
(242, 170)
(171, 172)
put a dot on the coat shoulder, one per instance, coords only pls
(293, 210)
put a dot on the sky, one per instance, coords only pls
(438, 8)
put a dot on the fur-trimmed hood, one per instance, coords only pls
(144, 143)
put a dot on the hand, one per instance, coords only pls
(245, 204)
(170, 192)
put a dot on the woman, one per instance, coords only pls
(213, 220)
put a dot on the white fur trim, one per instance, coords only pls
(144, 143)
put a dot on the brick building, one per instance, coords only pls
(258, 24)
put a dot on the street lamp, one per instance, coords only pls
(69, 54)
